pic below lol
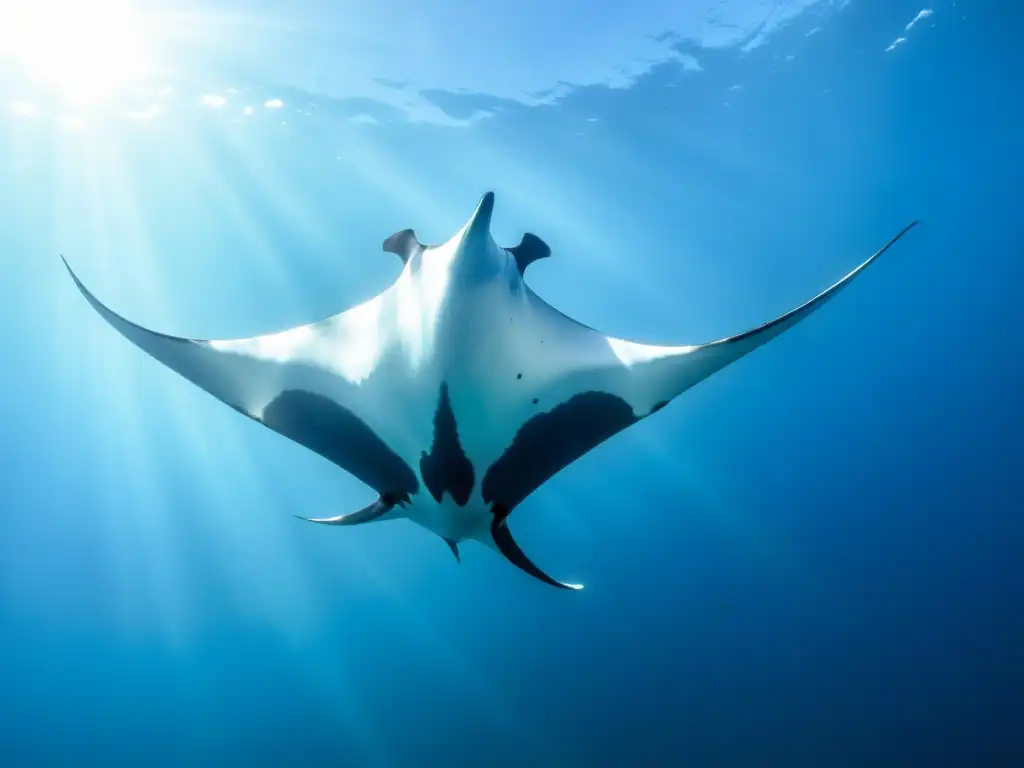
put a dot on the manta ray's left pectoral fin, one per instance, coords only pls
(277, 379)
(503, 542)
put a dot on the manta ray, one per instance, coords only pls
(456, 392)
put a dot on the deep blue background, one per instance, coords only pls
(812, 558)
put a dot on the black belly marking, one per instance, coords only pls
(337, 434)
(446, 467)
(551, 441)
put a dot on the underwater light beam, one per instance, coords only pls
(85, 51)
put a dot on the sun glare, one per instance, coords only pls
(84, 50)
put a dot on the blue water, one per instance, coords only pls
(813, 558)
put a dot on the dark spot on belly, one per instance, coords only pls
(337, 434)
(446, 467)
(535, 401)
(551, 441)
(519, 376)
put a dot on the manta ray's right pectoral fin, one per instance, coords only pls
(503, 542)
(662, 373)
(367, 514)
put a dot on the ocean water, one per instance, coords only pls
(812, 558)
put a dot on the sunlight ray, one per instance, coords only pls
(147, 542)
(143, 574)
(280, 190)
(141, 483)
(372, 162)
(23, 108)
(253, 555)
(190, 164)
(120, 592)
(85, 51)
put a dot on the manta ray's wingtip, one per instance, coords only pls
(124, 326)
(71, 272)
(96, 303)
(67, 266)
(879, 252)
(81, 286)
(907, 228)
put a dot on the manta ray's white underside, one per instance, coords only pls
(457, 391)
